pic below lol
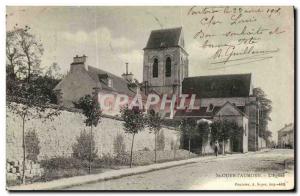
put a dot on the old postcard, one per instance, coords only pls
(150, 98)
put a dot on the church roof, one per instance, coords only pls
(164, 38)
(218, 86)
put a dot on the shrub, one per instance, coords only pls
(32, 145)
(119, 145)
(85, 147)
(62, 163)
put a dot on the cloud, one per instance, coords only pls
(101, 37)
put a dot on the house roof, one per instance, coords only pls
(287, 128)
(218, 86)
(119, 84)
(164, 38)
(241, 112)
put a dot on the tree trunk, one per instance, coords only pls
(90, 159)
(29, 66)
(24, 149)
(155, 147)
(223, 144)
(131, 150)
(189, 147)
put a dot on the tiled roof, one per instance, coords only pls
(164, 38)
(218, 86)
(119, 84)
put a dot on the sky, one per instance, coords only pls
(112, 36)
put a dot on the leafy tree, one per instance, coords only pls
(91, 110)
(154, 124)
(32, 142)
(27, 100)
(265, 111)
(84, 148)
(26, 96)
(134, 122)
(222, 130)
(54, 72)
(188, 128)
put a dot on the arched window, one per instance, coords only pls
(168, 67)
(155, 68)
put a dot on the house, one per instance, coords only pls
(286, 136)
(83, 79)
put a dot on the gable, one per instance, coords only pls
(75, 85)
(228, 110)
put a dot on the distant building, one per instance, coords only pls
(286, 136)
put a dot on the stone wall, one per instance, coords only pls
(57, 136)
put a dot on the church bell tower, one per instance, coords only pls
(165, 61)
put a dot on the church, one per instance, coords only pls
(166, 71)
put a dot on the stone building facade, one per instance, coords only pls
(286, 136)
(83, 79)
(165, 61)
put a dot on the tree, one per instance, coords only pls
(222, 130)
(265, 111)
(27, 100)
(154, 123)
(188, 127)
(26, 97)
(54, 72)
(31, 49)
(32, 142)
(91, 110)
(84, 148)
(13, 54)
(203, 130)
(134, 122)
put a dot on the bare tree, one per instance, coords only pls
(31, 50)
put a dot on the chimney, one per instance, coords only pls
(127, 76)
(79, 63)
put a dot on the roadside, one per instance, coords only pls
(114, 174)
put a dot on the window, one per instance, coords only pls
(155, 68)
(168, 67)
(110, 82)
(210, 108)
